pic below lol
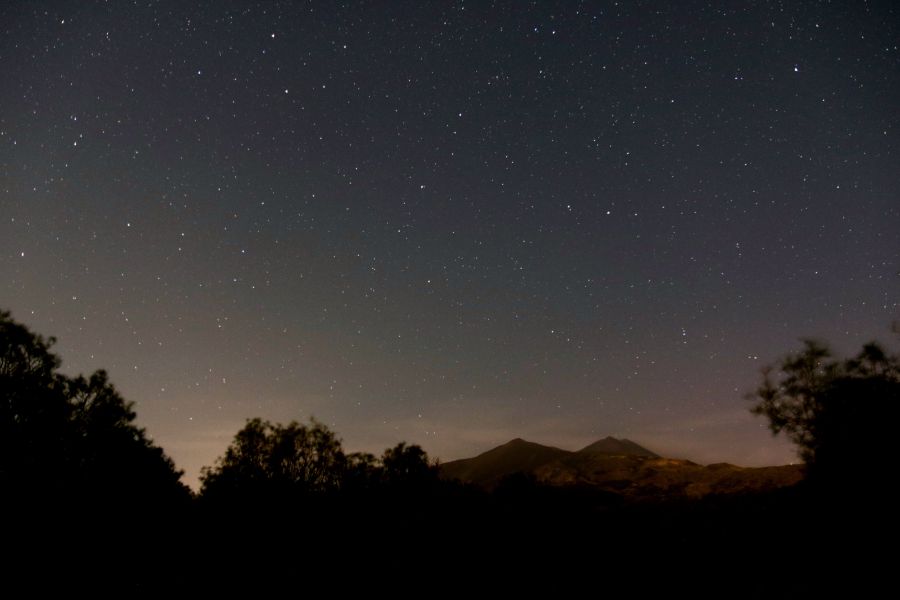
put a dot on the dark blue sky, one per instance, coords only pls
(450, 223)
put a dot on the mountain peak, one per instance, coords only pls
(520, 443)
(617, 447)
(516, 455)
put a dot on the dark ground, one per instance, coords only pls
(791, 543)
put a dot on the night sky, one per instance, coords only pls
(450, 223)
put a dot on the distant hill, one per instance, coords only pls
(618, 466)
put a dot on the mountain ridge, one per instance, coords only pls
(614, 465)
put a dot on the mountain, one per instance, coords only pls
(516, 456)
(616, 466)
(623, 447)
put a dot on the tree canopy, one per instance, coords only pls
(271, 460)
(71, 438)
(841, 414)
(274, 458)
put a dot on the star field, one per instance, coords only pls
(450, 223)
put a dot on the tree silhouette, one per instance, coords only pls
(71, 439)
(407, 466)
(270, 462)
(362, 473)
(842, 414)
(273, 459)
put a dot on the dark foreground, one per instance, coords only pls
(790, 543)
